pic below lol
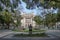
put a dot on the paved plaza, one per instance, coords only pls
(35, 38)
(7, 35)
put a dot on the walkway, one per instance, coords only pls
(54, 32)
(4, 35)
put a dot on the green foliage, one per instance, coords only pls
(38, 20)
(1, 8)
(50, 19)
(18, 23)
(5, 18)
(58, 17)
(8, 3)
(33, 35)
(1, 19)
(30, 5)
(53, 3)
(17, 18)
(44, 3)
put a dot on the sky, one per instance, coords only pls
(22, 7)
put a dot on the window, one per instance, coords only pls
(28, 20)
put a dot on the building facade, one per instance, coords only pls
(27, 19)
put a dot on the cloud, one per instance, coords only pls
(22, 7)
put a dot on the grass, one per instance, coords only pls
(32, 35)
(26, 30)
(16, 30)
(34, 30)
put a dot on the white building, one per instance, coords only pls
(27, 19)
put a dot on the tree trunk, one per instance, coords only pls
(2, 26)
(8, 26)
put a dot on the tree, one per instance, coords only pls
(38, 20)
(9, 4)
(7, 18)
(17, 19)
(43, 3)
(2, 19)
(31, 3)
(50, 20)
(58, 17)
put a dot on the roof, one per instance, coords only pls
(29, 15)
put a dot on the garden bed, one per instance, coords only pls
(28, 30)
(31, 35)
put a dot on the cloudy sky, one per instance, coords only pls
(22, 7)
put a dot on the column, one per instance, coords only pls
(31, 22)
(24, 22)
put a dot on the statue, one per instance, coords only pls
(30, 29)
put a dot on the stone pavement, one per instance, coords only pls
(54, 32)
(5, 33)
(29, 38)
